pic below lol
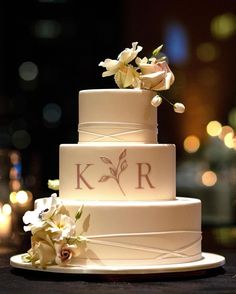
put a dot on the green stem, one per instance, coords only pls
(166, 99)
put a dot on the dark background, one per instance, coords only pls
(67, 39)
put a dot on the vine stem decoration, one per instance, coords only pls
(115, 171)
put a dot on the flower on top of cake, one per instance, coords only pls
(147, 73)
(53, 239)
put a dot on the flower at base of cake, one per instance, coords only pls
(148, 73)
(53, 239)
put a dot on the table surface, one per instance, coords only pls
(219, 280)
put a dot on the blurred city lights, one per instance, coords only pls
(12, 197)
(209, 178)
(229, 140)
(223, 26)
(14, 157)
(47, 29)
(14, 185)
(28, 71)
(21, 139)
(207, 52)
(21, 197)
(52, 113)
(191, 144)
(214, 128)
(6, 209)
(224, 131)
(176, 40)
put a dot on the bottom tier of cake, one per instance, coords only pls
(132, 233)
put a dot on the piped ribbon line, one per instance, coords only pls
(124, 130)
(163, 253)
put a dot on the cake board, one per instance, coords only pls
(208, 261)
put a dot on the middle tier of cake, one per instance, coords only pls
(117, 171)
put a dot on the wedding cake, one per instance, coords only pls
(117, 203)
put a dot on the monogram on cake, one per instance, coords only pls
(117, 204)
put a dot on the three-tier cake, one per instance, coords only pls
(117, 205)
(126, 184)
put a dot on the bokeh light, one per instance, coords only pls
(207, 52)
(52, 113)
(28, 71)
(14, 185)
(47, 29)
(209, 178)
(176, 43)
(6, 209)
(21, 139)
(229, 140)
(22, 197)
(224, 131)
(13, 173)
(223, 26)
(12, 197)
(14, 157)
(191, 144)
(214, 128)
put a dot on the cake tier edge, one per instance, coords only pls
(134, 233)
(117, 171)
(117, 115)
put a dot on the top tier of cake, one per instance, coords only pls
(117, 115)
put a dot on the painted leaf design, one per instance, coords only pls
(112, 171)
(122, 155)
(104, 179)
(106, 160)
(124, 165)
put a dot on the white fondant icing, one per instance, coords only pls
(116, 132)
(137, 232)
(117, 115)
(97, 171)
(118, 172)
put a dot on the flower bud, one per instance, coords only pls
(179, 108)
(53, 184)
(156, 101)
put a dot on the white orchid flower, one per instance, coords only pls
(37, 218)
(129, 54)
(112, 67)
(125, 74)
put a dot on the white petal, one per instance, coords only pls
(31, 217)
(151, 81)
(107, 73)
